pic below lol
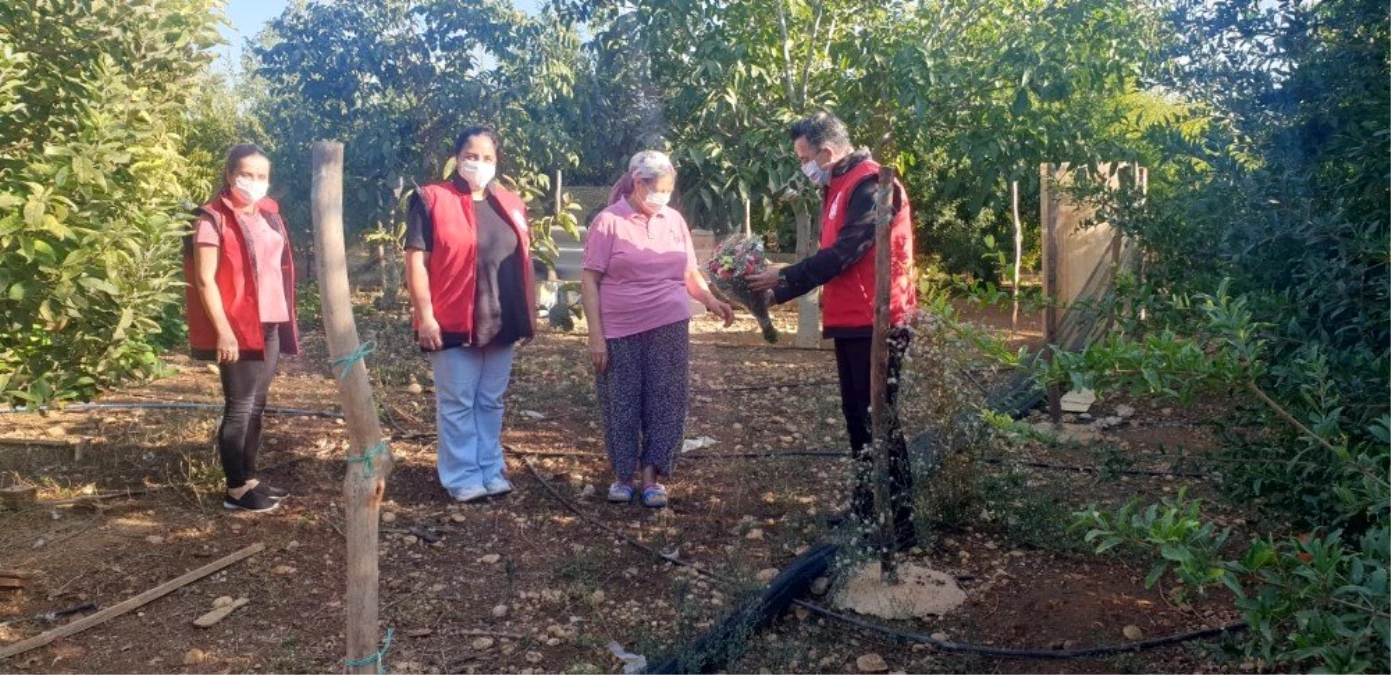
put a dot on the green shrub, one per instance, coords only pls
(92, 186)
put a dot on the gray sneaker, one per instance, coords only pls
(498, 486)
(469, 494)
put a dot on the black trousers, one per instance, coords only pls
(854, 366)
(245, 385)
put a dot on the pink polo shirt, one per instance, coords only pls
(269, 249)
(643, 261)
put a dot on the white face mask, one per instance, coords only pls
(251, 190)
(813, 171)
(478, 174)
(657, 200)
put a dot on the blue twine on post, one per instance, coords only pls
(367, 457)
(375, 658)
(346, 362)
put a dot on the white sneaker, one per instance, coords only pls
(469, 494)
(498, 486)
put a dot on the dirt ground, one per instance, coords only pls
(520, 584)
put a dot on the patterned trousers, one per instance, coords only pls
(643, 393)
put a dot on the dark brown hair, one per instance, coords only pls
(235, 155)
(478, 130)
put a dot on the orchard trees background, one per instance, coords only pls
(107, 135)
(1265, 228)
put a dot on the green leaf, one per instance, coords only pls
(1155, 572)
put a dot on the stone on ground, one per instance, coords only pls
(919, 592)
(872, 663)
(1080, 433)
(1078, 401)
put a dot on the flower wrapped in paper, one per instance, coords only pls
(734, 260)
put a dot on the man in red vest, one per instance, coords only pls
(844, 268)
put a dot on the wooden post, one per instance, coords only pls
(748, 219)
(808, 309)
(1018, 252)
(366, 479)
(559, 183)
(880, 412)
(1048, 205)
(551, 274)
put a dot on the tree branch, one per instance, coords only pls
(811, 51)
(1285, 415)
(786, 52)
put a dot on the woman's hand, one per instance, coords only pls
(721, 309)
(228, 351)
(598, 352)
(428, 333)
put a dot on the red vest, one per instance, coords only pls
(847, 301)
(236, 283)
(453, 266)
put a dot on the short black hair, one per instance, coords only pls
(822, 130)
(477, 130)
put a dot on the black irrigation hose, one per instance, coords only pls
(89, 407)
(763, 387)
(722, 644)
(713, 649)
(1009, 653)
(772, 454)
(763, 455)
(725, 345)
(1091, 469)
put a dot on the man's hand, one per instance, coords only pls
(766, 280)
(428, 333)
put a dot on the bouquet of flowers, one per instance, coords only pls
(734, 259)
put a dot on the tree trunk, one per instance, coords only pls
(369, 463)
(808, 309)
(384, 261)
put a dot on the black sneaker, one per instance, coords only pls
(253, 501)
(275, 494)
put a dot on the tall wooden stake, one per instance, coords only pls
(1018, 252)
(559, 185)
(551, 274)
(1049, 220)
(366, 479)
(881, 414)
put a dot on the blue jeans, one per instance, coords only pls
(469, 386)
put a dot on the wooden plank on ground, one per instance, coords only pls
(138, 601)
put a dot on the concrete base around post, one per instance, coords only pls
(920, 592)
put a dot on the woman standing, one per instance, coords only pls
(241, 312)
(468, 270)
(639, 271)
